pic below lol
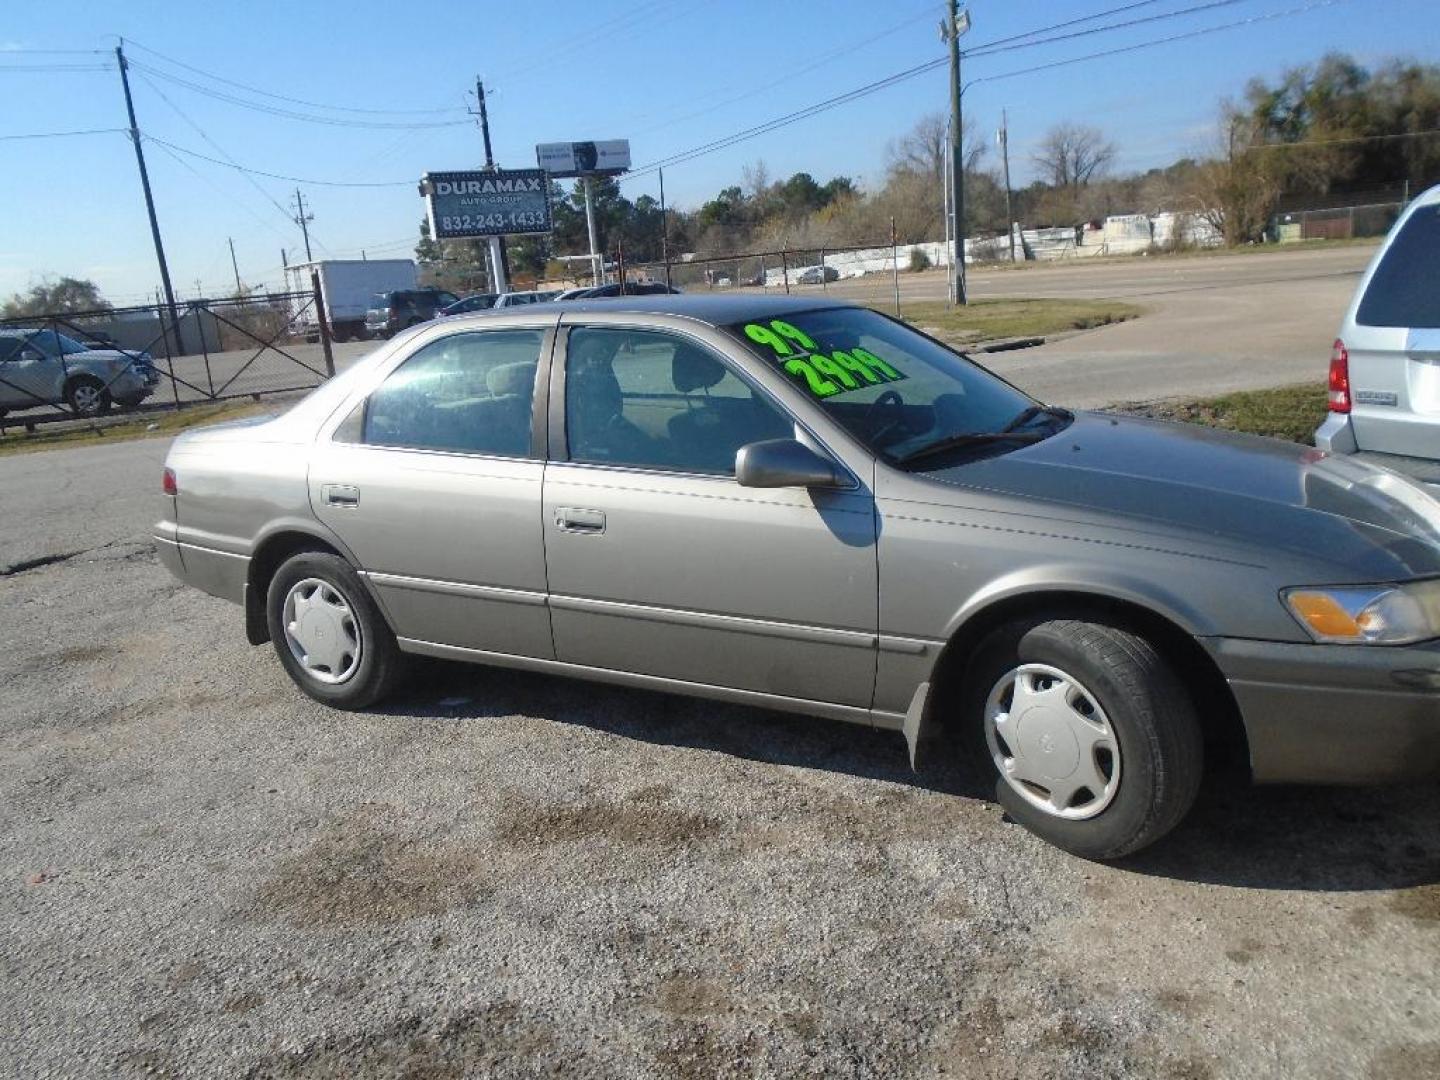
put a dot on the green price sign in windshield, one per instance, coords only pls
(823, 373)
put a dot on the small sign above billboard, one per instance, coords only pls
(584, 158)
(496, 202)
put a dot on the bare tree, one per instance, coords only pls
(1237, 189)
(1071, 155)
(924, 148)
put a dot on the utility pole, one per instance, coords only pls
(303, 220)
(951, 30)
(235, 266)
(665, 232)
(1004, 140)
(499, 260)
(149, 200)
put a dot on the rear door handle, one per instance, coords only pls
(572, 519)
(340, 495)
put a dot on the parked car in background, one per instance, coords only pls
(1385, 366)
(630, 288)
(531, 296)
(814, 507)
(815, 275)
(470, 304)
(391, 312)
(43, 367)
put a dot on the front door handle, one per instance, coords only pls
(572, 519)
(345, 495)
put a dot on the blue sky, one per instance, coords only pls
(667, 74)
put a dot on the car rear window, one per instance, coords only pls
(1405, 290)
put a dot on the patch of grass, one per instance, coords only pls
(988, 320)
(152, 425)
(1287, 412)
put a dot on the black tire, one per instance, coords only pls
(1160, 742)
(381, 666)
(87, 396)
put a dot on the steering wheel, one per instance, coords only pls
(889, 399)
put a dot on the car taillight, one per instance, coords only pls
(1339, 378)
(167, 482)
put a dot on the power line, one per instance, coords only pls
(52, 67)
(61, 134)
(1188, 34)
(218, 148)
(919, 69)
(292, 100)
(995, 47)
(1070, 22)
(282, 176)
(291, 114)
(1307, 144)
(797, 72)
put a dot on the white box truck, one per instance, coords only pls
(347, 286)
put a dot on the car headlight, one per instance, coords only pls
(1368, 614)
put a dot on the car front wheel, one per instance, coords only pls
(329, 636)
(1094, 741)
(87, 396)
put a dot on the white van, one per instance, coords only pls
(1385, 367)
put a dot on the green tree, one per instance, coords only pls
(58, 296)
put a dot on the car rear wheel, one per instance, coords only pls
(329, 636)
(1094, 741)
(87, 396)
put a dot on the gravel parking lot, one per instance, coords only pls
(207, 874)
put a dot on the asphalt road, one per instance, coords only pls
(203, 873)
(1213, 323)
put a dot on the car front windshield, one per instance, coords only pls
(904, 395)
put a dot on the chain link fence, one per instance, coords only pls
(874, 274)
(84, 365)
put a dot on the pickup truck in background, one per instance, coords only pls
(347, 286)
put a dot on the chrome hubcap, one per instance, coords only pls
(322, 631)
(87, 398)
(1052, 742)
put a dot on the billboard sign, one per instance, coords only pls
(497, 202)
(584, 158)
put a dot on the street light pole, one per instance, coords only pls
(952, 29)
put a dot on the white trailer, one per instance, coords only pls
(347, 286)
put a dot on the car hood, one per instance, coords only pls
(1370, 524)
(109, 356)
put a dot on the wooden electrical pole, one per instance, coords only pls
(951, 30)
(149, 199)
(499, 257)
(303, 220)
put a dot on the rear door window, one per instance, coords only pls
(1405, 289)
(466, 393)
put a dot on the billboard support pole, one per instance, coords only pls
(499, 282)
(596, 266)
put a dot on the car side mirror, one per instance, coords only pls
(784, 463)
(29, 352)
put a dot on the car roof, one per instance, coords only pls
(716, 310)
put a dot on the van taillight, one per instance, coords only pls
(1339, 378)
(167, 482)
